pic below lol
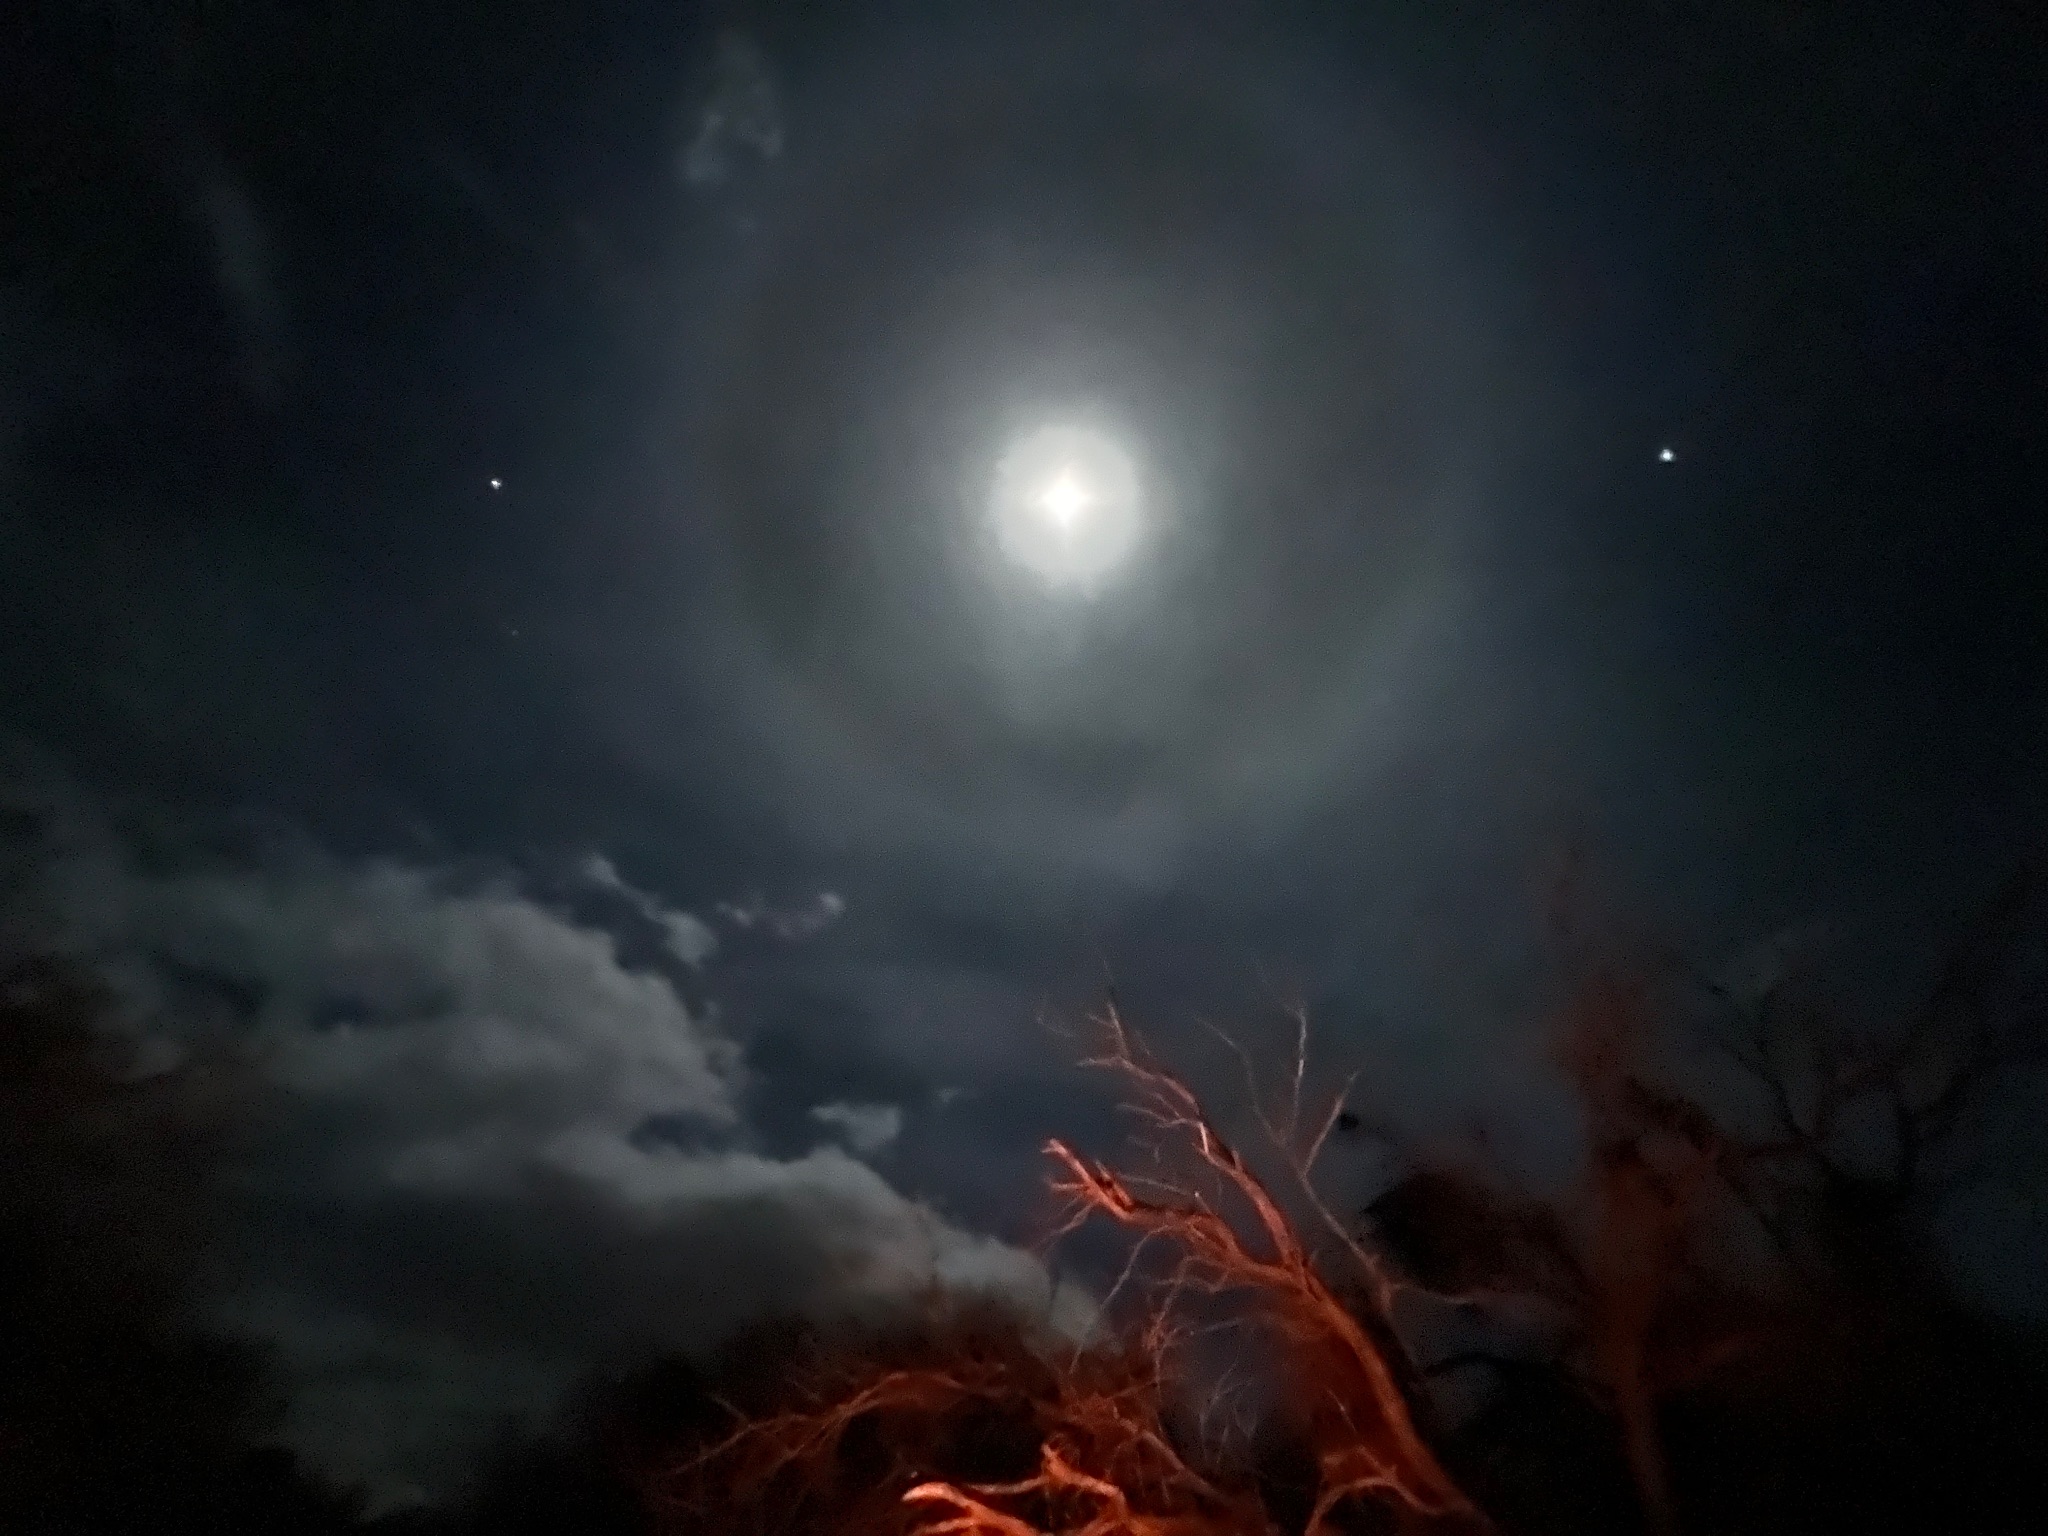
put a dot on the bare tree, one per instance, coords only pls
(1864, 1130)
(1109, 1460)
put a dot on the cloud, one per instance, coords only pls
(687, 937)
(791, 924)
(502, 1158)
(245, 267)
(867, 1127)
(740, 118)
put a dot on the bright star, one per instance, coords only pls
(497, 484)
(1666, 455)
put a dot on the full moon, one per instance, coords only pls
(1067, 507)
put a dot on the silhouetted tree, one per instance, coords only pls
(115, 1413)
(1681, 1326)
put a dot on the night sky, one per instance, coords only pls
(499, 604)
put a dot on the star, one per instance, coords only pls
(497, 484)
(1666, 455)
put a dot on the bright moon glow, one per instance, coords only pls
(1067, 506)
(1065, 500)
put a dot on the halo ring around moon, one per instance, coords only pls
(1306, 424)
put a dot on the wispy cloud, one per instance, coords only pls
(739, 120)
(866, 1127)
(245, 266)
(684, 935)
(791, 924)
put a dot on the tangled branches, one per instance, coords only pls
(978, 1431)
(967, 1425)
(1345, 1380)
(1649, 1285)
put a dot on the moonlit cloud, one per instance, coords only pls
(740, 118)
(790, 924)
(469, 1068)
(867, 1127)
(689, 938)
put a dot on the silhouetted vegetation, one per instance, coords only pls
(116, 1413)
(1736, 1324)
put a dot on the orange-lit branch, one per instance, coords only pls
(1102, 1506)
(1106, 1458)
(1106, 1462)
(1367, 1440)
